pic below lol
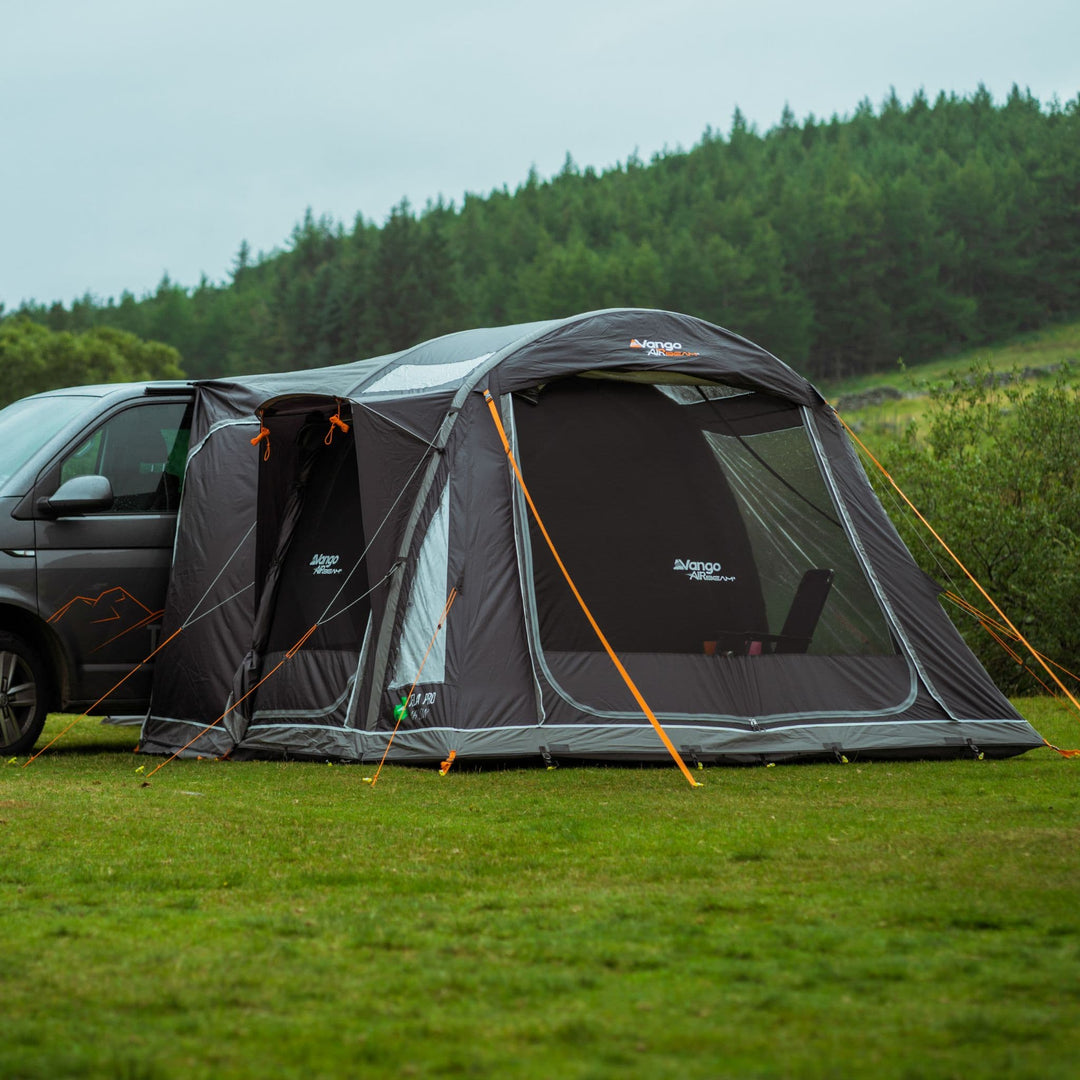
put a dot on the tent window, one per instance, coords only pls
(794, 528)
(688, 525)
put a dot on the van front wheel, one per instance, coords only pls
(23, 695)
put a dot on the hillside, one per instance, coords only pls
(910, 230)
(882, 404)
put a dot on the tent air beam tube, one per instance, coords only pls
(623, 673)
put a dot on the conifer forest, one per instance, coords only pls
(899, 231)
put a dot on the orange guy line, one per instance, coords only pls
(405, 704)
(970, 576)
(82, 716)
(631, 685)
(288, 656)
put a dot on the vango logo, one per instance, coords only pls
(699, 570)
(325, 564)
(660, 348)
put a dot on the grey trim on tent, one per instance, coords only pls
(326, 710)
(910, 654)
(358, 678)
(301, 727)
(524, 560)
(336, 743)
(186, 723)
(215, 428)
(748, 745)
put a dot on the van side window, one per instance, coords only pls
(142, 452)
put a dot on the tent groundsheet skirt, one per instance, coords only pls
(638, 742)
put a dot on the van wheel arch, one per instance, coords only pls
(41, 639)
(24, 694)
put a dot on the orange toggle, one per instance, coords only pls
(335, 422)
(264, 433)
(444, 767)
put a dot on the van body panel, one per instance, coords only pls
(95, 583)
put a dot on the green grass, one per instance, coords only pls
(1038, 349)
(1035, 353)
(907, 919)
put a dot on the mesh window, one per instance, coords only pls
(794, 529)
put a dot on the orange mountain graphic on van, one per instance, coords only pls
(115, 610)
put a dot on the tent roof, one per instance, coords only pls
(514, 357)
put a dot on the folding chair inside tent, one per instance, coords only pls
(804, 613)
(799, 626)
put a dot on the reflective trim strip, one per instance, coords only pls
(636, 742)
(252, 731)
(215, 428)
(350, 711)
(763, 721)
(738, 730)
(334, 705)
(181, 517)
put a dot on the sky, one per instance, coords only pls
(149, 137)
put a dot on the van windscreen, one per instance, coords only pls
(27, 425)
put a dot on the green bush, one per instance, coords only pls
(994, 467)
(34, 358)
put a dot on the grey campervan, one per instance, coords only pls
(90, 481)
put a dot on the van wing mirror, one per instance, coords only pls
(79, 495)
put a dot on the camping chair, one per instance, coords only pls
(799, 626)
(804, 613)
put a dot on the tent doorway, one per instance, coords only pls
(698, 525)
(309, 569)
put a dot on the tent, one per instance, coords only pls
(373, 564)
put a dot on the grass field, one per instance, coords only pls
(910, 919)
(1037, 354)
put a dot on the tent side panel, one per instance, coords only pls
(194, 674)
(481, 675)
(488, 649)
(956, 678)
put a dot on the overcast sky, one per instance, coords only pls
(143, 137)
